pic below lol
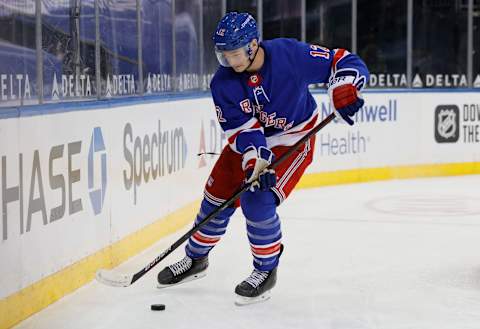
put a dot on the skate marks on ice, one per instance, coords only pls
(348, 264)
(415, 267)
(436, 201)
(428, 205)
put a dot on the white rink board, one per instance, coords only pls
(403, 133)
(49, 246)
(397, 129)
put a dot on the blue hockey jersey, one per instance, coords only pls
(273, 106)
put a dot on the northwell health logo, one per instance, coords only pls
(447, 123)
(97, 170)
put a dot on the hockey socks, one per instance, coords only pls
(200, 243)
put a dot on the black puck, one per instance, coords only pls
(157, 307)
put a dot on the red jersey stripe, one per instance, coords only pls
(232, 138)
(308, 126)
(339, 54)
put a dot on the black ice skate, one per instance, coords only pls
(187, 269)
(256, 288)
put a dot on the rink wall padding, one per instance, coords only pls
(39, 295)
(89, 185)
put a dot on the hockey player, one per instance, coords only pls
(264, 106)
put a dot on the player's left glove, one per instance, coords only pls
(344, 95)
(254, 164)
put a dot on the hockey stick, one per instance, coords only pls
(112, 278)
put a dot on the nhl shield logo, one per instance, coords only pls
(447, 122)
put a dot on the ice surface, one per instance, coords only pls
(396, 254)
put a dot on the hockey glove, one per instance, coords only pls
(344, 95)
(254, 164)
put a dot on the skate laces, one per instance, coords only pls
(256, 278)
(181, 266)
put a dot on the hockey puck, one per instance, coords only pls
(157, 307)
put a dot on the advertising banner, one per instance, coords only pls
(394, 129)
(76, 182)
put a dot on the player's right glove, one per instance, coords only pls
(344, 95)
(254, 164)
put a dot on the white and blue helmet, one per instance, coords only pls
(234, 31)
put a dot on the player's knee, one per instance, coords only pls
(258, 205)
(207, 208)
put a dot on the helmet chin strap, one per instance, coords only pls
(251, 60)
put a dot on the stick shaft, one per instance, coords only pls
(230, 201)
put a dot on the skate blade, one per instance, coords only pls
(243, 301)
(191, 278)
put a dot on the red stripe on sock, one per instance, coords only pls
(204, 239)
(266, 251)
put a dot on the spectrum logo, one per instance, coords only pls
(97, 170)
